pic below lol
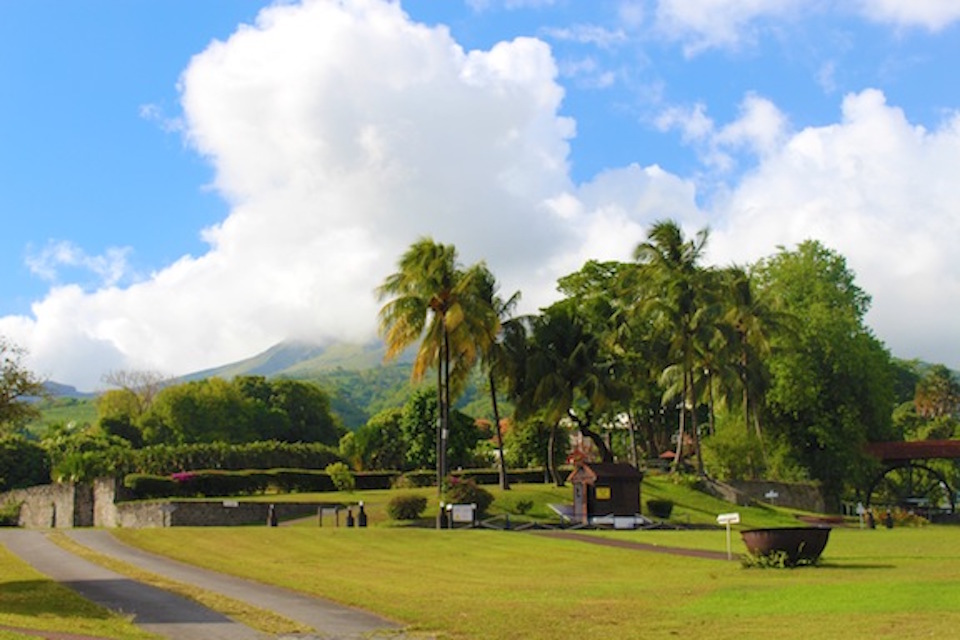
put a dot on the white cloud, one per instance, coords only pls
(759, 129)
(483, 5)
(933, 15)
(705, 24)
(339, 134)
(109, 268)
(882, 192)
(589, 34)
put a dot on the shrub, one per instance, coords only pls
(10, 514)
(406, 507)
(414, 479)
(660, 508)
(523, 506)
(144, 485)
(22, 463)
(342, 478)
(468, 492)
(302, 480)
(367, 480)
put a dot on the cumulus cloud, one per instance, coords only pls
(759, 130)
(883, 193)
(339, 134)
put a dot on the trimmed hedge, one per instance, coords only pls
(165, 459)
(223, 482)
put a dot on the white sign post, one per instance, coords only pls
(728, 519)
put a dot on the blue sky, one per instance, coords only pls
(186, 183)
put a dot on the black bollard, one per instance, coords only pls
(362, 517)
(350, 521)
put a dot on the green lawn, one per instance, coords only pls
(28, 600)
(485, 584)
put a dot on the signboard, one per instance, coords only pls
(462, 512)
(231, 504)
(728, 518)
(603, 493)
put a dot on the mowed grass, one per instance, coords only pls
(29, 600)
(474, 584)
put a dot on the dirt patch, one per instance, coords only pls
(637, 546)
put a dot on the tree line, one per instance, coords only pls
(761, 370)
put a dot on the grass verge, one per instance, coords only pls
(29, 600)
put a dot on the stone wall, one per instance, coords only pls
(61, 505)
(206, 513)
(807, 497)
(66, 505)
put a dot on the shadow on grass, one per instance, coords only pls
(854, 566)
(40, 598)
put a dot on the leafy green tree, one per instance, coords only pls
(17, 385)
(379, 444)
(306, 408)
(831, 380)
(418, 427)
(937, 394)
(22, 463)
(566, 378)
(210, 410)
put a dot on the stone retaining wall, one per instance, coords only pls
(53, 505)
(807, 497)
(65, 505)
(207, 513)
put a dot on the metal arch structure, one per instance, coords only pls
(910, 457)
(910, 466)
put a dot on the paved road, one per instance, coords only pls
(173, 616)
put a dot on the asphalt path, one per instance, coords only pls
(171, 615)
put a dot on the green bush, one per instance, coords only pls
(660, 508)
(10, 514)
(406, 507)
(22, 463)
(301, 480)
(367, 480)
(342, 478)
(462, 491)
(145, 486)
(414, 479)
(164, 459)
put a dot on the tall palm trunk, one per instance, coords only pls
(693, 426)
(504, 480)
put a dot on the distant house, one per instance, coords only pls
(605, 490)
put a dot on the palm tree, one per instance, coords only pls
(492, 353)
(751, 319)
(566, 377)
(671, 264)
(431, 296)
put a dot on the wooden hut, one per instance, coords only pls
(605, 490)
